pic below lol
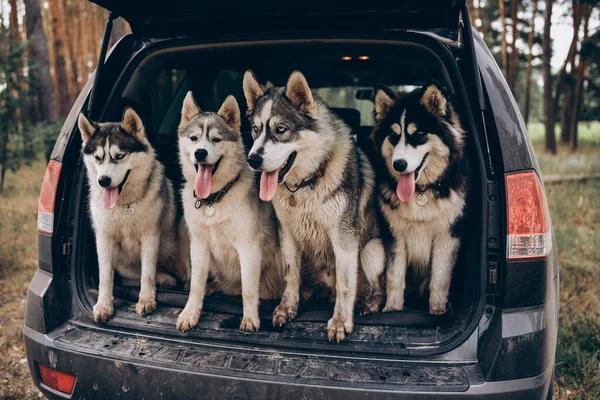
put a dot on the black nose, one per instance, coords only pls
(255, 160)
(200, 154)
(104, 181)
(400, 165)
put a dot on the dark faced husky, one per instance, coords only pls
(321, 186)
(133, 212)
(233, 234)
(419, 141)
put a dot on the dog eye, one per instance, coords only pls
(280, 129)
(193, 138)
(98, 158)
(120, 156)
(216, 140)
(255, 128)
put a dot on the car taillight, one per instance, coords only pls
(56, 380)
(48, 198)
(528, 217)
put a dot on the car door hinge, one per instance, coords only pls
(66, 247)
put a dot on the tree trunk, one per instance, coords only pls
(529, 61)
(71, 15)
(503, 39)
(512, 64)
(471, 7)
(549, 115)
(483, 28)
(60, 57)
(39, 69)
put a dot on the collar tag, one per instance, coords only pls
(128, 210)
(422, 199)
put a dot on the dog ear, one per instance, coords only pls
(434, 101)
(230, 112)
(384, 100)
(252, 89)
(299, 93)
(86, 127)
(190, 108)
(132, 124)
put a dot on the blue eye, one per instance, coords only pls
(280, 129)
(120, 156)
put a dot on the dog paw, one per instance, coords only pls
(165, 281)
(284, 313)
(250, 324)
(338, 329)
(370, 306)
(437, 308)
(306, 294)
(145, 306)
(103, 311)
(391, 305)
(187, 319)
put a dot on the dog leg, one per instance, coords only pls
(372, 259)
(250, 264)
(396, 277)
(103, 309)
(345, 248)
(288, 308)
(200, 256)
(445, 249)
(147, 300)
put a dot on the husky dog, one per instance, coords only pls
(322, 188)
(133, 212)
(418, 141)
(233, 235)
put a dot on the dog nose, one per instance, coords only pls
(104, 181)
(400, 165)
(255, 160)
(200, 154)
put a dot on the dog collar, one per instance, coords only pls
(216, 196)
(308, 182)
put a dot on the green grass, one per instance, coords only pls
(589, 132)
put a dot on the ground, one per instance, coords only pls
(575, 213)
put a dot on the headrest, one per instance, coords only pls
(350, 116)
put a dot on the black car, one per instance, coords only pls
(496, 341)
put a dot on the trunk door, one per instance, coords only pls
(186, 17)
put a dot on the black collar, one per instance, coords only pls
(309, 182)
(217, 196)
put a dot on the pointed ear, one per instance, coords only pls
(86, 127)
(252, 89)
(132, 124)
(434, 101)
(383, 101)
(298, 91)
(230, 112)
(190, 108)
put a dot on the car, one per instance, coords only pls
(497, 340)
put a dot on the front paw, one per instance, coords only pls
(250, 324)
(103, 311)
(393, 304)
(438, 307)
(145, 306)
(338, 329)
(188, 319)
(284, 313)
(165, 282)
(371, 305)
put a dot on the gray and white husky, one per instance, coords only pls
(132, 208)
(418, 142)
(233, 234)
(322, 188)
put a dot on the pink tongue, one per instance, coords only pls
(406, 187)
(268, 184)
(204, 181)
(110, 197)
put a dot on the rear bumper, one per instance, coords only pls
(109, 365)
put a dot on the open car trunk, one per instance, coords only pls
(342, 71)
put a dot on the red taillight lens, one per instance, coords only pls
(528, 217)
(48, 198)
(56, 380)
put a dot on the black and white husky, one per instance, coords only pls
(233, 234)
(322, 188)
(133, 212)
(422, 183)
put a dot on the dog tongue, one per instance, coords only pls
(110, 197)
(406, 187)
(268, 184)
(204, 181)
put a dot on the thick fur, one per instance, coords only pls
(239, 245)
(131, 242)
(425, 238)
(333, 229)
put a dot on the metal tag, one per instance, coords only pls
(422, 199)
(198, 204)
(292, 201)
(209, 211)
(128, 210)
